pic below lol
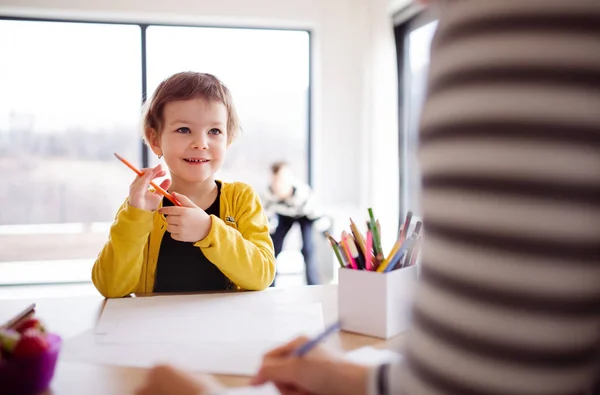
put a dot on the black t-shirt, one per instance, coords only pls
(181, 267)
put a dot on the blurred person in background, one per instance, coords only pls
(287, 201)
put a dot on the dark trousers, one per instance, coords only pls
(283, 227)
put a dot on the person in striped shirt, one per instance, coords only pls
(509, 295)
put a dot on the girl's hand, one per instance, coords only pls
(186, 223)
(139, 194)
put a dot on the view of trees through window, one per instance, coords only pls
(70, 96)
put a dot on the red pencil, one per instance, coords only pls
(156, 187)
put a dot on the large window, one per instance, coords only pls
(417, 43)
(70, 96)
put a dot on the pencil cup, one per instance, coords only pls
(376, 304)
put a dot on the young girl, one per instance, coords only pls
(219, 238)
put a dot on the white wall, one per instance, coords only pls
(354, 95)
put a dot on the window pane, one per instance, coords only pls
(419, 43)
(267, 72)
(70, 97)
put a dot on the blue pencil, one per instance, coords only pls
(306, 347)
(399, 255)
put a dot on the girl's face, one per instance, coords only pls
(193, 140)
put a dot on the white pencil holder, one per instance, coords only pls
(376, 304)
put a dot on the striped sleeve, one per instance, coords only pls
(509, 301)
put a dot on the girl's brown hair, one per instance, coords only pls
(185, 86)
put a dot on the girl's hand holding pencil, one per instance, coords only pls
(141, 196)
(185, 221)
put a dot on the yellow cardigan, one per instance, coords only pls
(238, 243)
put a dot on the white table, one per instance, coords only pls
(71, 316)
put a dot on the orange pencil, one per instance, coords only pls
(156, 187)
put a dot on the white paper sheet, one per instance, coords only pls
(228, 358)
(235, 359)
(218, 333)
(217, 318)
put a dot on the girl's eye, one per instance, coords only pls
(183, 130)
(214, 131)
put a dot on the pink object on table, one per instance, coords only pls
(29, 375)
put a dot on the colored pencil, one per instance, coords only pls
(156, 187)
